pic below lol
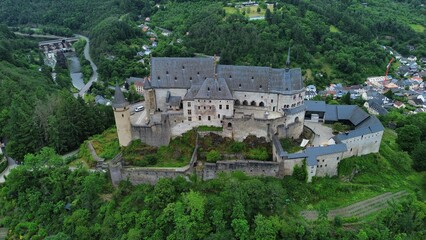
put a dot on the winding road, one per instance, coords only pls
(11, 165)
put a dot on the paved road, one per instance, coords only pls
(94, 76)
(359, 209)
(11, 165)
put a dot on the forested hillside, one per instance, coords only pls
(33, 111)
(45, 200)
(340, 39)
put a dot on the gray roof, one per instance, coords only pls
(184, 72)
(333, 113)
(315, 106)
(314, 152)
(374, 104)
(134, 79)
(295, 110)
(119, 100)
(174, 101)
(311, 153)
(180, 72)
(214, 89)
(370, 125)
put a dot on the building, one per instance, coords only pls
(184, 93)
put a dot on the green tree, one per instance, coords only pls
(408, 137)
(418, 155)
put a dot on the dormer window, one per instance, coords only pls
(252, 78)
(198, 73)
(208, 89)
(220, 89)
(190, 78)
(183, 67)
(158, 77)
(167, 72)
(230, 76)
(175, 78)
(260, 86)
(239, 85)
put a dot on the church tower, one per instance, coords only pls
(122, 117)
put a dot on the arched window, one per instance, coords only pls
(245, 103)
(296, 120)
(261, 104)
(237, 102)
(229, 125)
(253, 103)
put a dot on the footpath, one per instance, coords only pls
(359, 209)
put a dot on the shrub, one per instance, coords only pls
(258, 154)
(236, 147)
(151, 159)
(300, 173)
(213, 156)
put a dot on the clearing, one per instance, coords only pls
(359, 209)
(417, 28)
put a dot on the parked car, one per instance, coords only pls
(140, 108)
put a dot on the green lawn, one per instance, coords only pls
(251, 11)
(334, 29)
(417, 28)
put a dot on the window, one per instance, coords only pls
(260, 86)
(210, 107)
(209, 118)
(272, 100)
(208, 89)
(325, 165)
(199, 107)
(190, 119)
(189, 112)
(220, 106)
(220, 89)
(167, 72)
(239, 85)
(122, 115)
(158, 77)
(190, 78)
(189, 104)
(218, 116)
(227, 107)
(183, 67)
(204, 107)
(199, 118)
(338, 158)
(175, 78)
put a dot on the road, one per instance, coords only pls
(94, 76)
(11, 165)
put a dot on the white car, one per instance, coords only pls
(140, 108)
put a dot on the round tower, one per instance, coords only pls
(122, 117)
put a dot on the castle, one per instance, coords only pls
(184, 93)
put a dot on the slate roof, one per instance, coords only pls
(370, 125)
(295, 110)
(315, 106)
(184, 72)
(311, 153)
(180, 72)
(374, 104)
(214, 89)
(314, 152)
(333, 113)
(119, 100)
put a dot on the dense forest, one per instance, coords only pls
(34, 111)
(45, 200)
(331, 40)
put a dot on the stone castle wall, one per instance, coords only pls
(249, 167)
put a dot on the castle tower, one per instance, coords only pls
(122, 117)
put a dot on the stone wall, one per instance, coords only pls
(156, 134)
(152, 175)
(249, 167)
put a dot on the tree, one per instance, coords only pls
(408, 137)
(418, 155)
(265, 228)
